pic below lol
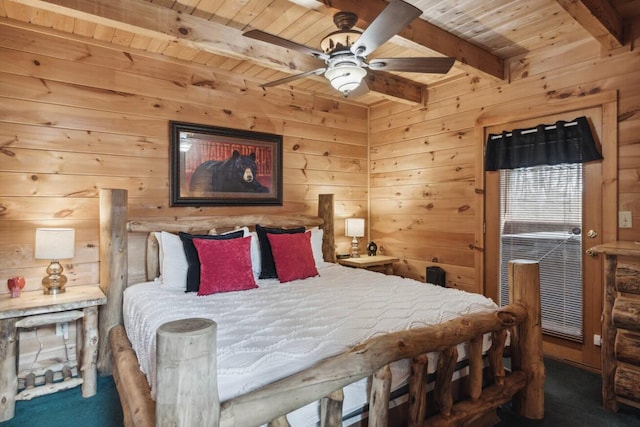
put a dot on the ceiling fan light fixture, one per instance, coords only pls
(345, 76)
(185, 143)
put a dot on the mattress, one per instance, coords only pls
(268, 333)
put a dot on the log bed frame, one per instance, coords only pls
(123, 244)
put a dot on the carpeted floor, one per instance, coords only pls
(68, 409)
(572, 398)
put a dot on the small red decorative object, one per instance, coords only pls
(15, 285)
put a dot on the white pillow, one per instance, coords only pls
(256, 262)
(158, 237)
(174, 264)
(316, 245)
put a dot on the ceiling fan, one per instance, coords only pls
(345, 51)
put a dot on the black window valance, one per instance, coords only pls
(562, 142)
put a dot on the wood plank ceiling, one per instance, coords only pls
(484, 37)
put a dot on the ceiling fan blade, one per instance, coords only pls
(294, 77)
(436, 65)
(279, 41)
(391, 20)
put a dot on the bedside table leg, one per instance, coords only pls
(8, 376)
(89, 352)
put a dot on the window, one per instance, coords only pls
(541, 220)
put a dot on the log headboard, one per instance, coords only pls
(128, 250)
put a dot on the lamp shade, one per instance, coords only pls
(354, 227)
(55, 243)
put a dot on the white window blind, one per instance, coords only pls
(541, 219)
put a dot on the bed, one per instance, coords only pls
(225, 369)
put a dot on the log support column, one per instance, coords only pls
(90, 352)
(8, 377)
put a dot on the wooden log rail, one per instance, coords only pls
(367, 359)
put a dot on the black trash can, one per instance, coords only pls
(436, 276)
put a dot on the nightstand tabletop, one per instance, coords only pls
(368, 261)
(35, 302)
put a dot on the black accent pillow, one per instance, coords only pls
(266, 255)
(191, 253)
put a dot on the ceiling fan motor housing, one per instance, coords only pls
(345, 37)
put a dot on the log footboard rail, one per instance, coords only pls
(180, 402)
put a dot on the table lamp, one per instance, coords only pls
(54, 244)
(354, 227)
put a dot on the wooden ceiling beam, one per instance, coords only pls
(422, 33)
(382, 82)
(600, 20)
(161, 23)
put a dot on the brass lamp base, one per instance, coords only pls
(54, 283)
(355, 251)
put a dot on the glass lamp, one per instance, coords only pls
(345, 73)
(354, 227)
(54, 244)
(345, 78)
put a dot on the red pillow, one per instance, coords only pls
(225, 265)
(292, 256)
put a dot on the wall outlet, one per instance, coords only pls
(62, 330)
(624, 219)
(597, 340)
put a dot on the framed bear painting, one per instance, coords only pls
(216, 166)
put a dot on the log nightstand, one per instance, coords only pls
(34, 309)
(620, 324)
(379, 263)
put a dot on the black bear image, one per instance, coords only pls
(237, 173)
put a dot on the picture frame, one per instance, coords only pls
(218, 166)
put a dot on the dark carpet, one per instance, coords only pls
(572, 398)
(68, 409)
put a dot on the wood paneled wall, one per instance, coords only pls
(76, 116)
(426, 161)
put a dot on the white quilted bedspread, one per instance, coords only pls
(271, 332)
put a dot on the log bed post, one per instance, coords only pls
(325, 211)
(113, 267)
(187, 392)
(526, 339)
